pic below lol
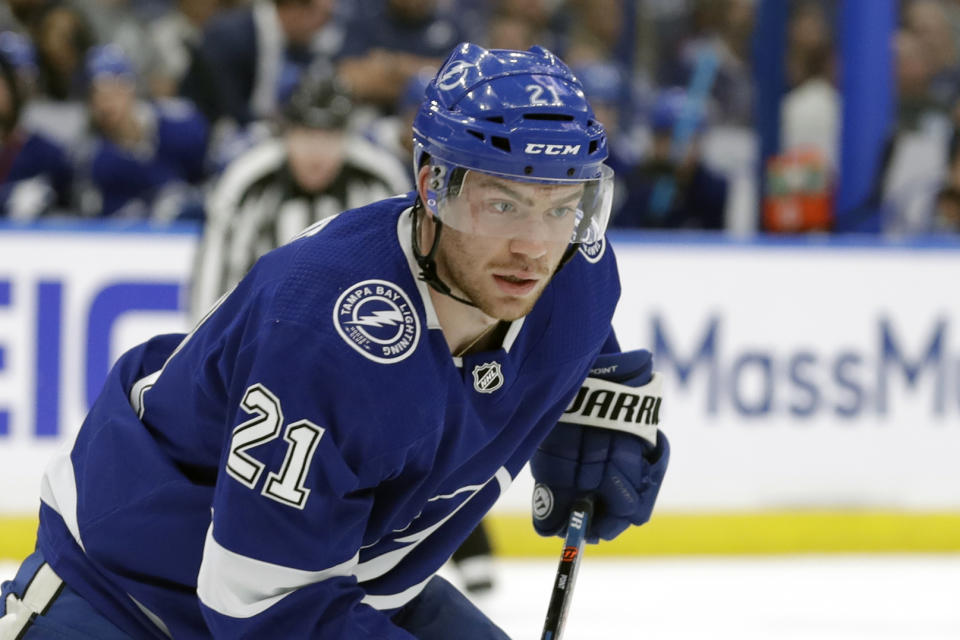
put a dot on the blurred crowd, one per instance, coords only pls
(258, 117)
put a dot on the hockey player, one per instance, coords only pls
(302, 463)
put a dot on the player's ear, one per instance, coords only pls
(422, 176)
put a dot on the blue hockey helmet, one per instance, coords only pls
(517, 115)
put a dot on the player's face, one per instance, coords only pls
(517, 233)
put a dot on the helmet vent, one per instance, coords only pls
(593, 147)
(562, 117)
(500, 143)
(476, 134)
(497, 119)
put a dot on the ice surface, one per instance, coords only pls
(887, 597)
(858, 597)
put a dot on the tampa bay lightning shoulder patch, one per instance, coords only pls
(594, 251)
(376, 318)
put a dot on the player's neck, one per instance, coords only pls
(465, 328)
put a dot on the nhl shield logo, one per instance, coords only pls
(487, 377)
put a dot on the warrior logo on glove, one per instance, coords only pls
(542, 501)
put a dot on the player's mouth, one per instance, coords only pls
(515, 285)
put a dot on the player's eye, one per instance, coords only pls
(559, 213)
(502, 206)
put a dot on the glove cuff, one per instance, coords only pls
(611, 405)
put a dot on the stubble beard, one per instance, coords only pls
(477, 286)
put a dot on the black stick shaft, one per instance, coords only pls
(580, 516)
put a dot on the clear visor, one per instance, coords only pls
(546, 210)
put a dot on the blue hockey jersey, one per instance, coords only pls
(311, 454)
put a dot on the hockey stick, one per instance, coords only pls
(580, 515)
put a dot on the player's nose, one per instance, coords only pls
(530, 246)
(531, 238)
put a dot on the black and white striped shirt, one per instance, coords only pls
(257, 206)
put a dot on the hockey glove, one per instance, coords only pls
(606, 444)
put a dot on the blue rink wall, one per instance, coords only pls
(812, 384)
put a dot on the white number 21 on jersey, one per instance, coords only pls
(287, 486)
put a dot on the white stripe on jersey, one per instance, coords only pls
(380, 565)
(152, 617)
(396, 600)
(59, 492)
(240, 587)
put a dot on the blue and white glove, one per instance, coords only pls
(606, 444)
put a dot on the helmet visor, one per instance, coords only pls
(501, 206)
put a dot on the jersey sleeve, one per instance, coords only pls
(289, 513)
(611, 345)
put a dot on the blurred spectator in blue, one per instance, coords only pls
(315, 168)
(609, 91)
(392, 132)
(35, 173)
(386, 42)
(146, 157)
(175, 41)
(672, 188)
(726, 27)
(251, 58)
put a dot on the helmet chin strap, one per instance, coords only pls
(428, 266)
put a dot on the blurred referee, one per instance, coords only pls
(316, 167)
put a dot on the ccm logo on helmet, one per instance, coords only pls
(537, 148)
